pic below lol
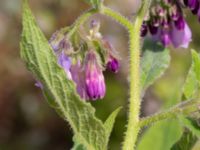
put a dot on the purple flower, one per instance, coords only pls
(78, 76)
(153, 29)
(84, 66)
(180, 23)
(194, 5)
(55, 40)
(198, 14)
(144, 30)
(165, 38)
(89, 78)
(181, 38)
(39, 84)
(65, 62)
(94, 79)
(113, 64)
(61, 46)
(170, 27)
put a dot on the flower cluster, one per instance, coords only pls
(167, 25)
(85, 62)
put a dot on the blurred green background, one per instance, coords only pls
(26, 120)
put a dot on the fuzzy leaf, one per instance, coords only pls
(155, 61)
(109, 123)
(94, 3)
(78, 147)
(161, 136)
(42, 62)
(186, 142)
(193, 79)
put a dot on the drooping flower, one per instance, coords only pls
(65, 62)
(55, 41)
(193, 5)
(113, 64)
(180, 23)
(78, 76)
(94, 79)
(181, 38)
(167, 25)
(61, 46)
(85, 66)
(165, 37)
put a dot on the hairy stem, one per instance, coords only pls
(133, 127)
(184, 108)
(117, 17)
(81, 20)
(134, 35)
(134, 106)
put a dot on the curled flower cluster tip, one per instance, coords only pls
(85, 62)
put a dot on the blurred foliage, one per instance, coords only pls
(186, 142)
(27, 122)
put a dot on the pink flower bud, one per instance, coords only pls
(113, 64)
(94, 79)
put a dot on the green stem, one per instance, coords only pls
(134, 35)
(184, 108)
(134, 106)
(80, 21)
(133, 127)
(117, 16)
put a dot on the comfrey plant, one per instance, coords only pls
(69, 69)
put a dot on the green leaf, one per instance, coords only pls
(191, 125)
(95, 3)
(77, 145)
(161, 136)
(186, 142)
(155, 61)
(60, 91)
(109, 123)
(192, 81)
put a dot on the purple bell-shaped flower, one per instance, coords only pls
(113, 64)
(181, 38)
(94, 79)
(165, 38)
(78, 76)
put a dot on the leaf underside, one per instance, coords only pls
(161, 136)
(155, 61)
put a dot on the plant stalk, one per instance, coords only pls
(184, 108)
(133, 127)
